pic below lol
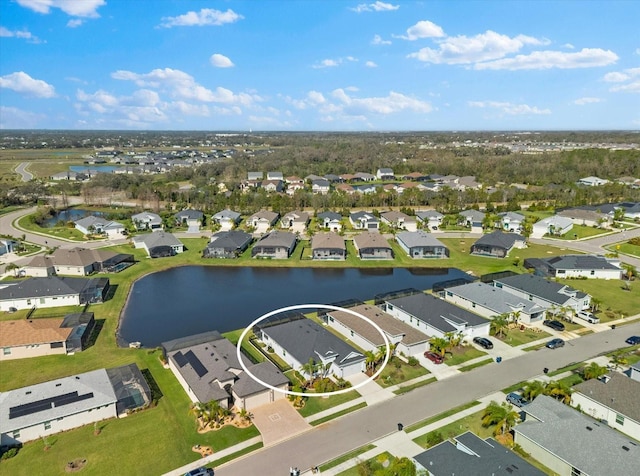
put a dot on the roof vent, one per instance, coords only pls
(589, 428)
(77, 378)
(58, 385)
(28, 392)
(626, 448)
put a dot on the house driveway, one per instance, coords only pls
(278, 421)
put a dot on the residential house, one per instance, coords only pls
(7, 246)
(490, 301)
(592, 181)
(364, 177)
(364, 221)
(295, 221)
(311, 177)
(385, 174)
(548, 294)
(577, 266)
(333, 178)
(227, 244)
(416, 176)
(570, 443)
(276, 244)
(473, 219)
(419, 244)
(634, 371)
(553, 226)
(91, 225)
(328, 246)
(147, 221)
(612, 398)
(468, 182)
(77, 262)
(631, 209)
(193, 219)
(292, 188)
(159, 244)
(293, 179)
(511, 221)
(300, 340)
(431, 219)
(366, 189)
(498, 244)
(255, 176)
(469, 454)
(52, 291)
(330, 221)
(273, 186)
(372, 245)
(348, 178)
(263, 220)
(581, 216)
(399, 220)
(68, 175)
(401, 188)
(208, 369)
(408, 340)
(37, 411)
(275, 176)
(436, 317)
(321, 186)
(227, 219)
(345, 188)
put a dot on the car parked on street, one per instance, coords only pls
(555, 343)
(202, 471)
(555, 325)
(516, 399)
(633, 340)
(483, 342)
(433, 357)
(587, 316)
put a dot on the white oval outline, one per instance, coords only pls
(314, 306)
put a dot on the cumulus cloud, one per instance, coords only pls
(371, 64)
(482, 47)
(21, 82)
(332, 63)
(423, 29)
(509, 108)
(375, 7)
(585, 58)
(586, 100)
(74, 23)
(221, 61)
(377, 40)
(205, 17)
(21, 34)
(74, 8)
(393, 103)
(628, 80)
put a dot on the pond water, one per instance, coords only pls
(82, 169)
(192, 299)
(71, 214)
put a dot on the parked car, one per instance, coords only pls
(555, 325)
(202, 471)
(633, 340)
(483, 342)
(587, 316)
(555, 343)
(516, 399)
(433, 357)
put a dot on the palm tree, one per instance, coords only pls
(503, 416)
(499, 325)
(595, 304)
(309, 369)
(370, 360)
(197, 410)
(559, 390)
(619, 358)
(593, 370)
(532, 389)
(438, 345)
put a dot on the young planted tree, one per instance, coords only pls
(499, 325)
(438, 345)
(559, 390)
(593, 370)
(532, 389)
(502, 415)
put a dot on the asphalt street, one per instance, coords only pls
(24, 174)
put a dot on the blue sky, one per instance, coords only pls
(319, 65)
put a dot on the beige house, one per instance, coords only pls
(24, 338)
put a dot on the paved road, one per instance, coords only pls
(24, 174)
(352, 431)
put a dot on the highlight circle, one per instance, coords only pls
(314, 306)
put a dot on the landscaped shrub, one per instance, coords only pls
(9, 453)
(412, 361)
(434, 438)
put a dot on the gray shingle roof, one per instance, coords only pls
(499, 239)
(369, 239)
(230, 240)
(538, 286)
(425, 215)
(587, 445)
(329, 215)
(265, 371)
(42, 287)
(277, 239)
(495, 299)
(355, 216)
(620, 393)
(328, 240)
(158, 238)
(577, 262)
(271, 217)
(190, 214)
(227, 214)
(412, 239)
(473, 215)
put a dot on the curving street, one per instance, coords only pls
(25, 175)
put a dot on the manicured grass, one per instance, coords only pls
(568, 368)
(413, 386)
(535, 347)
(580, 231)
(469, 423)
(9, 209)
(232, 456)
(516, 337)
(315, 405)
(612, 294)
(384, 458)
(338, 414)
(458, 355)
(398, 371)
(515, 387)
(627, 249)
(346, 457)
(62, 232)
(476, 365)
(571, 380)
(441, 416)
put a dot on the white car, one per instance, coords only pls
(587, 316)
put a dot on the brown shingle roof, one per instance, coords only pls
(370, 239)
(327, 240)
(32, 331)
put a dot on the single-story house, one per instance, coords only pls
(435, 316)
(147, 221)
(399, 220)
(408, 340)
(548, 294)
(553, 226)
(77, 262)
(431, 219)
(330, 221)
(328, 246)
(6, 246)
(263, 220)
(385, 174)
(275, 244)
(498, 244)
(159, 244)
(189, 217)
(571, 443)
(92, 224)
(299, 340)
(417, 176)
(295, 221)
(612, 398)
(474, 219)
(273, 185)
(580, 216)
(372, 245)
(44, 409)
(364, 221)
(511, 221)
(255, 175)
(227, 219)
(469, 454)
(321, 186)
(275, 176)
(419, 244)
(364, 177)
(592, 181)
(490, 301)
(207, 367)
(577, 266)
(52, 291)
(227, 244)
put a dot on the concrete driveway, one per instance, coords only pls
(278, 421)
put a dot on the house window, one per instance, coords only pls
(530, 297)
(593, 272)
(498, 285)
(352, 334)
(330, 319)
(47, 425)
(473, 304)
(28, 302)
(41, 300)
(284, 352)
(390, 307)
(6, 351)
(561, 271)
(575, 472)
(449, 293)
(619, 419)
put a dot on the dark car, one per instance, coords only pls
(433, 357)
(555, 343)
(516, 399)
(483, 342)
(555, 325)
(202, 471)
(633, 340)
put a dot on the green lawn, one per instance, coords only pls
(315, 405)
(612, 294)
(476, 365)
(441, 416)
(580, 231)
(469, 423)
(62, 232)
(627, 249)
(398, 371)
(335, 415)
(459, 355)
(346, 457)
(413, 386)
(516, 337)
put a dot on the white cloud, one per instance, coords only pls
(482, 47)
(615, 77)
(21, 34)
(74, 23)
(586, 100)
(423, 29)
(569, 46)
(631, 87)
(332, 63)
(509, 108)
(393, 103)
(630, 76)
(377, 40)
(221, 61)
(14, 118)
(74, 8)
(370, 64)
(585, 58)
(375, 7)
(638, 51)
(23, 83)
(205, 17)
